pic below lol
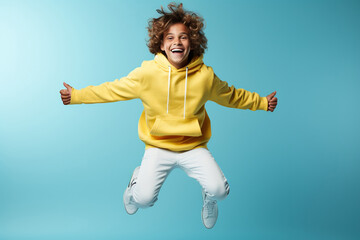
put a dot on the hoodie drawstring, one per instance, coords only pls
(168, 96)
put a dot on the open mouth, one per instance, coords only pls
(177, 50)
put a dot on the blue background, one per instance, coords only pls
(294, 173)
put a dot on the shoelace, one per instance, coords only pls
(209, 206)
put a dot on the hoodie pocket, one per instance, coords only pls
(177, 127)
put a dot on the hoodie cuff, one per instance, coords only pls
(263, 104)
(75, 98)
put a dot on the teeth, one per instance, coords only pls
(177, 50)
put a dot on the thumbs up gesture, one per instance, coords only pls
(272, 101)
(66, 94)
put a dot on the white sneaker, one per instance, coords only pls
(209, 211)
(130, 207)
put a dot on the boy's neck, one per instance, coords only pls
(188, 60)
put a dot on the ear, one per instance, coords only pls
(162, 46)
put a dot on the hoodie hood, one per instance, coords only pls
(194, 65)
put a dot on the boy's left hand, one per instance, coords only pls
(272, 101)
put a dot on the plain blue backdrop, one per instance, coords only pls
(294, 173)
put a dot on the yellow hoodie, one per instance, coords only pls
(174, 115)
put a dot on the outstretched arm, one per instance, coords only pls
(240, 98)
(122, 89)
(272, 101)
(227, 96)
(66, 94)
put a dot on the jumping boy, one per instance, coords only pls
(174, 125)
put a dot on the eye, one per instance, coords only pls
(184, 37)
(169, 38)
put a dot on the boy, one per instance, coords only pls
(174, 125)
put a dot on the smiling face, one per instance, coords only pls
(176, 45)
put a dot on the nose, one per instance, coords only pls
(177, 41)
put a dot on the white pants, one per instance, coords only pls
(157, 164)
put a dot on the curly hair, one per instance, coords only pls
(158, 26)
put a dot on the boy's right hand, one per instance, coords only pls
(66, 94)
